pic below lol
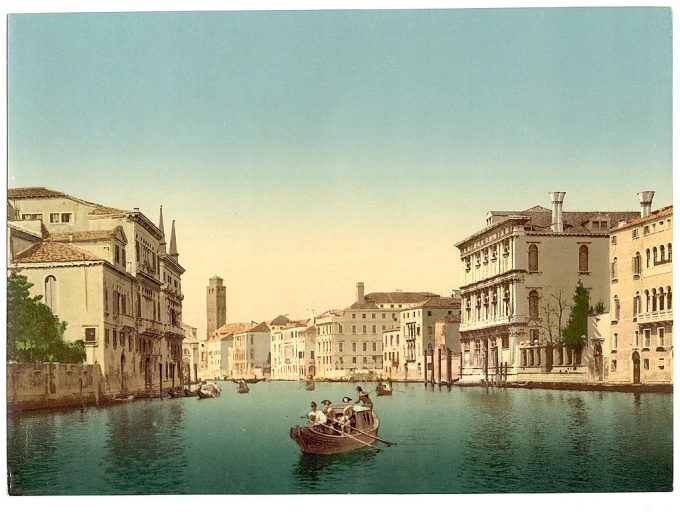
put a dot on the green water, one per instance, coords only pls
(463, 440)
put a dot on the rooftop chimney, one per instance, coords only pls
(360, 292)
(557, 224)
(645, 202)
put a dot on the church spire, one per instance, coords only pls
(160, 225)
(173, 243)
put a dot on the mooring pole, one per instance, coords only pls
(160, 380)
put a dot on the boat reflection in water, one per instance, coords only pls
(313, 471)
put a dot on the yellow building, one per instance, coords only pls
(639, 348)
(102, 270)
(292, 351)
(519, 275)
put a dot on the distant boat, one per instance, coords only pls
(126, 398)
(208, 391)
(254, 380)
(327, 440)
(243, 388)
(381, 390)
(309, 385)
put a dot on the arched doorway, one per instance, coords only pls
(123, 384)
(636, 368)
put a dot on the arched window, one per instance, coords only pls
(51, 293)
(647, 302)
(653, 299)
(583, 259)
(614, 269)
(533, 258)
(654, 252)
(670, 252)
(636, 304)
(662, 253)
(637, 264)
(661, 297)
(617, 308)
(669, 298)
(533, 304)
(649, 254)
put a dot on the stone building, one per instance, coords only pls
(519, 275)
(193, 353)
(293, 351)
(101, 270)
(218, 354)
(349, 342)
(638, 347)
(251, 352)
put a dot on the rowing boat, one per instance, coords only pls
(322, 439)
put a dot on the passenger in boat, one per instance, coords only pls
(363, 398)
(347, 413)
(317, 419)
(328, 412)
(387, 386)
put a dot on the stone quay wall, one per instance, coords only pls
(51, 385)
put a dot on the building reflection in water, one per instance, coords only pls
(145, 449)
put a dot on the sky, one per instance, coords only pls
(300, 152)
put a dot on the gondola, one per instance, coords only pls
(243, 388)
(381, 391)
(325, 440)
(127, 398)
(309, 385)
(247, 381)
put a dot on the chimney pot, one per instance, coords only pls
(645, 202)
(360, 292)
(557, 199)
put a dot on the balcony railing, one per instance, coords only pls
(655, 316)
(467, 325)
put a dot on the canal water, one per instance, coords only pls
(462, 440)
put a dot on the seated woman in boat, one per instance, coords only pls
(317, 419)
(364, 399)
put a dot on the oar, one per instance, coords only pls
(388, 443)
(352, 437)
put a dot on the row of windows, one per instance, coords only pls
(660, 364)
(655, 256)
(55, 218)
(486, 255)
(655, 300)
(646, 338)
(582, 258)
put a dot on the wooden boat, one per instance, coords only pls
(248, 381)
(126, 398)
(309, 385)
(208, 391)
(327, 440)
(381, 391)
(188, 392)
(243, 388)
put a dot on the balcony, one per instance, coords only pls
(655, 316)
(149, 327)
(471, 325)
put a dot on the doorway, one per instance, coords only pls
(636, 368)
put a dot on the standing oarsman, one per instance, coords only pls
(364, 399)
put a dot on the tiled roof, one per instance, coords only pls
(661, 212)
(46, 252)
(82, 236)
(450, 319)
(369, 304)
(399, 297)
(106, 210)
(32, 193)
(232, 328)
(279, 320)
(261, 327)
(442, 302)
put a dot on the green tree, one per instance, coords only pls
(576, 330)
(34, 333)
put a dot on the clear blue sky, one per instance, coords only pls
(302, 151)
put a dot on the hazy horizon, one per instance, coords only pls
(302, 151)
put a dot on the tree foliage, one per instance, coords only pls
(576, 330)
(553, 313)
(34, 333)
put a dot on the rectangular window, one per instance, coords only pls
(505, 341)
(662, 363)
(66, 217)
(354, 329)
(648, 336)
(54, 218)
(374, 329)
(615, 340)
(614, 240)
(31, 216)
(354, 347)
(613, 365)
(645, 364)
(363, 347)
(661, 335)
(354, 359)
(90, 334)
(340, 328)
(116, 258)
(341, 347)
(115, 339)
(375, 346)
(363, 329)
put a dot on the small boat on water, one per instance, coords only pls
(208, 391)
(309, 385)
(126, 398)
(243, 388)
(248, 381)
(321, 439)
(382, 391)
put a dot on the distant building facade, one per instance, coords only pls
(517, 272)
(292, 353)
